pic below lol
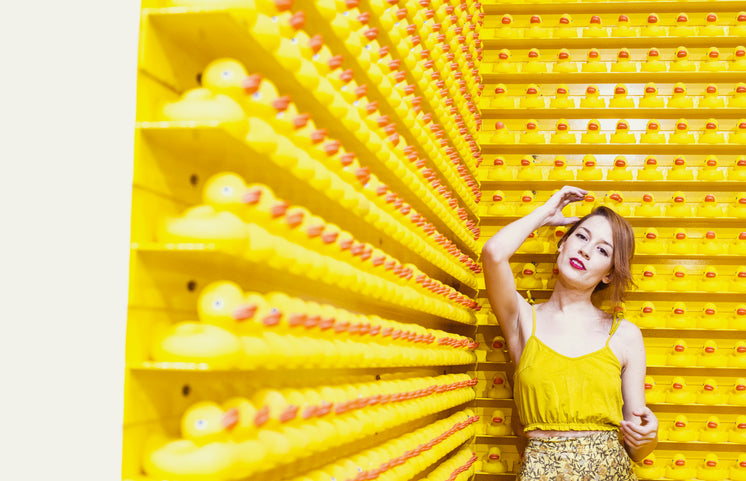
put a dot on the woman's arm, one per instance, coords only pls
(497, 251)
(640, 426)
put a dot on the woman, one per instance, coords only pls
(580, 373)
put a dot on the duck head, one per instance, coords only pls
(594, 125)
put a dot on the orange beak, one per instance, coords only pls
(563, 56)
(679, 348)
(681, 54)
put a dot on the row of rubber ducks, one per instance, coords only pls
(249, 330)
(679, 431)
(533, 134)
(459, 467)
(407, 456)
(296, 145)
(648, 317)
(528, 169)
(680, 62)
(650, 97)
(679, 468)
(654, 26)
(709, 355)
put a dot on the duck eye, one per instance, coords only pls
(316, 56)
(227, 190)
(200, 424)
(256, 96)
(226, 74)
(218, 304)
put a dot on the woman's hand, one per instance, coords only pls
(642, 437)
(559, 201)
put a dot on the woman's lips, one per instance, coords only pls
(577, 264)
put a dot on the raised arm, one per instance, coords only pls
(505, 300)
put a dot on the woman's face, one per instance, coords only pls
(585, 257)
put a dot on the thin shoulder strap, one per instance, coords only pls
(533, 327)
(614, 326)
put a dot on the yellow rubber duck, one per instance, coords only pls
(561, 134)
(506, 28)
(647, 469)
(593, 63)
(739, 28)
(739, 280)
(738, 171)
(504, 64)
(622, 135)
(224, 304)
(203, 225)
(623, 62)
(710, 98)
(678, 206)
(681, 280)
(653, 63)
(499, 206)
(560, 170)
(588, 204)
(203, 104)
(532, 99)
(737, 208)
(561, 99)
(535, 30)
(738, 245)
(711, 28)
(650, 170)
(527, 203)
(678, 393)
(738, 433)
(712, 62)
(194, 342)
(652, 134)
(492, 462)
(648, 281)
(709, 170)
(650, 242)
(737, 396)
(681, 135)
(623, 27)
(681, 244)
(620, 99)
(498, 425)
(738, 62)
(534, 64)
(501, 100)
(653, 27)
(710, 394)
(679, 98)
(709, 207)
(498, 350)
(614, 200)
(710, 134)
(738, 136)
(595, 28)
(204, 452)
(527, 279)
(712, 433)
(709, 318)
(499, 170)
(738, 98)
(683, 28)
(711, 470)
(529, 170)
(502, 135)
(653, 395)
(738, 470)
(619, 171)
(499, 388)
(593, 135)
(532, 135)
(680, 355)
(592, 99)
(679, 171)
(650, 98)
(680, 432)
(681, 62)
(710, 281)
(565, 28)
(589, 171)
(564, 64)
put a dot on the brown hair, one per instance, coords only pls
(624, 248)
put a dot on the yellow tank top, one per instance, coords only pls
(554, 392)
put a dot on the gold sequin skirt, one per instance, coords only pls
(597, 457)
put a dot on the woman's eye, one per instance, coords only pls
(580, 236)
(603, 251)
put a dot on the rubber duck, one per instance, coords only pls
(738, 62)
(739, 280)
(620, 170)
(738, 320)
(650, 170)
(711, 27)
(623, 27)
(650, 97)
(194, 342)
(561, 99)
(710, 281)
(710, 394)
(738, 171)
(589, 171)
(678, 393)
(650, 242)
(203, 225)
(653, 63)
(527, 203)
(535, 30)
(500, 171)
(504, 63)
(652, 394)
(502, 135)
(564, 63)
(647, 469)
(622, 135)
(683, 28)
(560, 170)
(681, 280)
(680, 355)
(534, 64)
(623, 62)
(588, 204)
(681, 243)
(679, 171)
(527, 279)
(710, 134)
(498, 351)
(565, 28)
(679, 99)
(738, 359)
(680, 431)
(681, 62)
(561, 134)
(506, 28)
(709, 319)
(533, 244)
(593, 135)
(710, 98)
(708, 208)
(652, 134)
(595, 29)
(203, 104)
(499, 206)
(653, 28)
(499, 388)
(614, 200)
(649, 282)
(532, 99)
(681, 135)
(498, 425)
(738, 470)
(620, 99)
(529, 170)
(738, 208)
(492, 462)
(739, 28)
(679, 319)
(709, 171)
(738, 136)
(738, 99)
(738, 433)
(501, 100)
(737, 396)
(711, 470)
(592, 99)
(532, 135)
(593, 63)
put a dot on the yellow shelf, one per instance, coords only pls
(618, 149)
(696, 408)
(488, 439)
(608, 113)
(609, 77)
(695, 371)
(299, 374)
(493, 43)
(484, 402)
(492, 7)
(668, 333)
(622, 185)
(482, 476)
(543, 294)
(644, 221)
(641, 259)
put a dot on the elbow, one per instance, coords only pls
(491, 253)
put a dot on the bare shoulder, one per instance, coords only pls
(628, 340)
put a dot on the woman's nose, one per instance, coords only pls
(582, 252)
